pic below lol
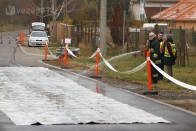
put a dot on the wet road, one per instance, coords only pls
(11, 55)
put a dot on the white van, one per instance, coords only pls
(38, 26)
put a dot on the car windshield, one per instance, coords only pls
(38, 34)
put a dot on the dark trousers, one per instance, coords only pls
(169, 70)
(160, 77)
(155, 74)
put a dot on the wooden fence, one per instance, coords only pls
(134, 40)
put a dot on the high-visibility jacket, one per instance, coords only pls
(173, 50)
(162, 46)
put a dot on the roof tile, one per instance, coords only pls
(184, 10)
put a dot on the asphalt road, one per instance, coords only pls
(181, 120)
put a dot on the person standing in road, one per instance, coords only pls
(170, 54)
(154, 49)
(161, 42)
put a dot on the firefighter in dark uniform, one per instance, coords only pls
(154, 49)
(161, 42)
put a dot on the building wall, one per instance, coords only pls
(187, 24)
(183, 24)
(136, 11)
(158, 4)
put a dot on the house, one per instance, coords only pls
(181, 14)
(144, 9)
(135, 9)
(152, 7)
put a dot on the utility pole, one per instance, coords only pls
(103, 27)
(53, 24)
(54, 10)
(66, 20)
(42, 10)
(63, 40)
(124, 19)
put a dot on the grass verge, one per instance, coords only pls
(183, 74)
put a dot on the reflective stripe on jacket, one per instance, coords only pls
(162, 47)
(173, 49)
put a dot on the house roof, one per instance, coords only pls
(181, 11)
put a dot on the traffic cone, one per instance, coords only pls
(21, 38)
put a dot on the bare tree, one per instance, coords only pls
(56, 8)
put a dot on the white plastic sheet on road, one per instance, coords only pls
(35, 94)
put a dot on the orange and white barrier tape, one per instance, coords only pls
(126, 72)
(98, 50)
(136, 69)
(112, 68)
(125, 54)
(70, 52)
(191, 87)
(108, 64)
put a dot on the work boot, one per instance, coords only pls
(154, 80)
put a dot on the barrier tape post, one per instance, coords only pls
(97, 64)
(46, 51)
(60, 59)
(149, 91)
(66, 59)
(22, 39)
(149, 72)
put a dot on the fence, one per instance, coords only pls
(183, 38)
(79, 34)
(135, 39)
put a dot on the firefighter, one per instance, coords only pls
(170, 54)
(161, 42)
(154, 49)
